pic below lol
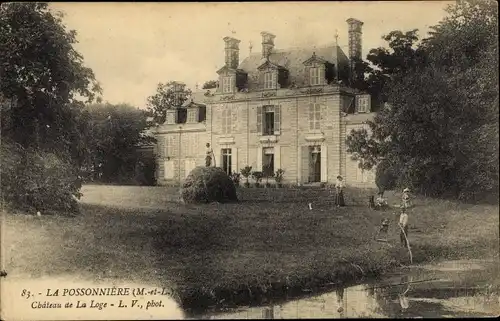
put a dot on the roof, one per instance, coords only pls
(293, 60)
(359, 118)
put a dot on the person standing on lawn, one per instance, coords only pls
(403, 223)
(405, 198)
(339, 197)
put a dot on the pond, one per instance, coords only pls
(448, 289)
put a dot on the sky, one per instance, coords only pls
(131, 47)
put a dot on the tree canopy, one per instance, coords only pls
(440, 129)
(168, 95)
(43, 87)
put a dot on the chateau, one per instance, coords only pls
(287, 109)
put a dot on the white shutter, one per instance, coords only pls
(234, 160)
(258, 166)
(169, 169)
(274, 82)
(277, 119)
(259, 120)
(324, 163)
(321, 70)
(277, 158)
(234, 119)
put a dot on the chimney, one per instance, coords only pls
(267, 43)
(355, 32)
(232, 51)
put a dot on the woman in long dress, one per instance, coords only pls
(339, 186)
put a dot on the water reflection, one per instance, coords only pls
(414, 293)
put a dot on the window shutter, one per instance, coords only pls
(321, 71)
(234, 160)
(311, 116)
(305, 164)
(277, 119)
(274, 80)
(324, 163)
(307, 72)
(259, 120)
(234, 119)
(277, 158)
(258, 166)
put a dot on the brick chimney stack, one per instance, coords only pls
(355, 46)
(355, 33)
(267, 43)
(232, 51)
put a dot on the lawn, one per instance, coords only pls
(267, 245)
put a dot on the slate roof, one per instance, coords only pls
(292, 59)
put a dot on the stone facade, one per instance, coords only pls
(284, 109)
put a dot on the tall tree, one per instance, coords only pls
(441, 131)
(114, 133)
(45, 83)
(44, 75)
(168, 95)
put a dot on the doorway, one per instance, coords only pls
(314, 164)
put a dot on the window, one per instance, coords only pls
(227, 84)
(270, 80)
(226, 120)
(226, 160)
(181, 115)
(314, 76)
(363, 104)
(314, 116)
(268, 161)
(268, 120)
(191, 117)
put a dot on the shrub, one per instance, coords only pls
(236, 177)
(38, 181)
(208, 184)
(246, 172)
(278, 177)
(257, 176)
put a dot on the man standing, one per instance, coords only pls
(208, 157)
(403, 223)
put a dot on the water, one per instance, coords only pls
(449, 289)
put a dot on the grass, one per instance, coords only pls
(265, 247)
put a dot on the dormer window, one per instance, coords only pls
(227, 84)
(270, 80)
(314, 76)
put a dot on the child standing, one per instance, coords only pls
(405, 198)
(403, 223)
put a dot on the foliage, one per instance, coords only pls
(386, 176)
(168, 96)
(246, 172)
(48, 184)
(43, 83)
(278, 176)
(439, 90)
(235, 177)
(208, 184)
(210, 84)
(257, 176)
(113, 136)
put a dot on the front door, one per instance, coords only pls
(315, 164)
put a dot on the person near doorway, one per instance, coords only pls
(208, 158)
(403, 223)
(339, 197)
